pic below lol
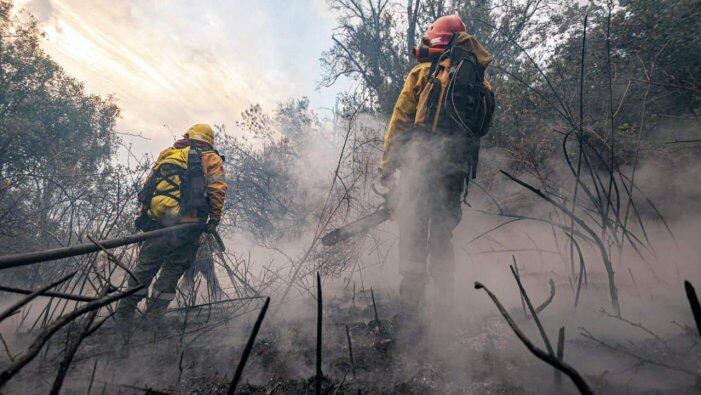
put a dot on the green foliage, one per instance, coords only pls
(45, 112)
(650, 47)
(56, 171)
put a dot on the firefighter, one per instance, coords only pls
(186, 185)
(434, 163)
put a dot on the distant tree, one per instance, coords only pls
(57, 174)
(269, 202)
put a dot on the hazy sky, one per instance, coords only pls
(179, 62)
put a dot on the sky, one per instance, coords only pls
(173, 63)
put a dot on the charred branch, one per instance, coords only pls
(694, 304)
(49, 331)
(10, 310)
(552, 360)
(248, 348)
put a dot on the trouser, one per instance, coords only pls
(429, 209)
(172, 254)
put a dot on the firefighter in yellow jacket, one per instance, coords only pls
(433, 164)
(186, 184)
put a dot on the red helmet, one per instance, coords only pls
(441, 31)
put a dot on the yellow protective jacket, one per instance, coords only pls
(164, 206)
(404, 113)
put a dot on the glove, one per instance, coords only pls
(387, 179)
(141, 220)
(212, 225)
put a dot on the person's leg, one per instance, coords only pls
(184, 249)
(150, 259)
(412, 217)
(446, 213)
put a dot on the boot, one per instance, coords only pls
(443, 328)
(410, 323)
(124, 313)
(155, 306)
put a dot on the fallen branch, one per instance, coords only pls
(60, 322)
(640, 326)
(640, 358)
(10, 310)
(576, 378)
(532, 310)
(50, 294)
(71, 349)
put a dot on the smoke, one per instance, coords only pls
(472, 350)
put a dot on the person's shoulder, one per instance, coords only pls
(213, 156)
(419, 73)
(420, 68)
(165, 151)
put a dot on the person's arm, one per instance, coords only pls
(216, 185)
(402, 119)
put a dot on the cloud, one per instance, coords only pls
(181, 62)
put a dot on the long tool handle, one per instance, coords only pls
(356, 227)
(29, 258)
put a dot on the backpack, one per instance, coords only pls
(175, 188)
(457, 100)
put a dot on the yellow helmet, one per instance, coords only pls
(201, 132)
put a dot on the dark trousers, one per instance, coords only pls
(429, 198)
(426, 221)
(172, 255)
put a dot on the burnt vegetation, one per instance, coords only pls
(588, 95)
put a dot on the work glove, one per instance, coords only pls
(140, 221)
(212, 225)
(387, 178)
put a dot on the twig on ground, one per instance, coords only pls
(92, 376)
(71, 349)
(249, 346)
(343, 380)
(350, 349)
(50, 294)
(560, 353)
(374, 308)
(582, 386)
(694, 304)
(54, 327)
(7, 348)
(638, 325)
(15, 306)
(532, 310)
(523, 301)
(640, 358)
